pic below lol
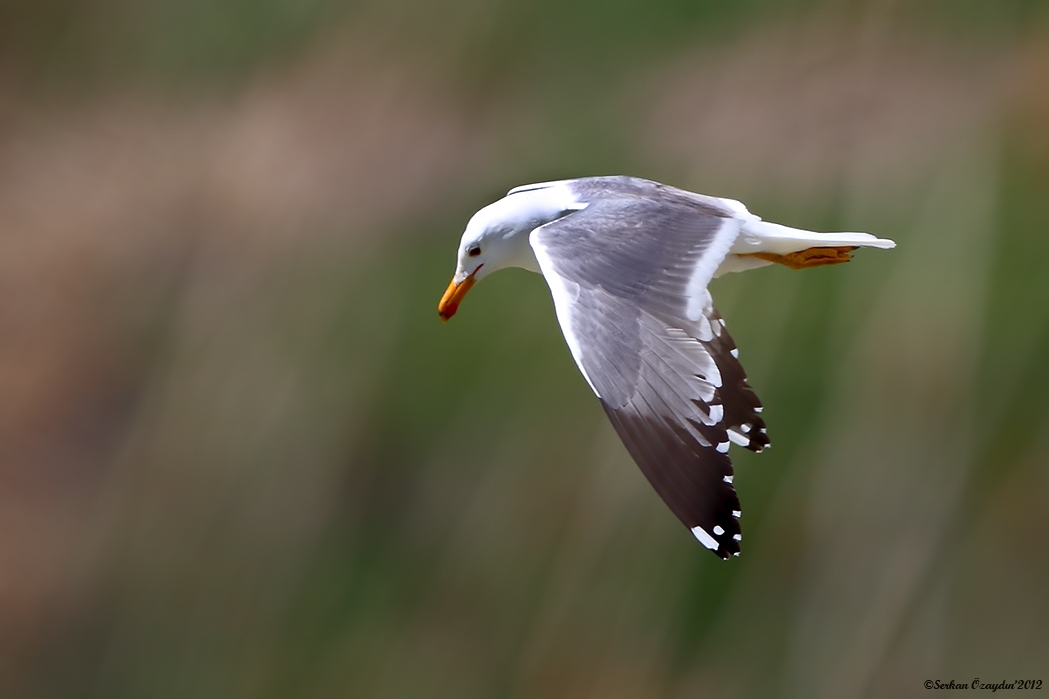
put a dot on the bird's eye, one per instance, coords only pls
(473, 250)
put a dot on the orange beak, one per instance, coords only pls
(453, 296)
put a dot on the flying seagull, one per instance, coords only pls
(628, 262)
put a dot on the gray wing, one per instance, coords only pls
(629, 275)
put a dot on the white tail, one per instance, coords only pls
(761, 236)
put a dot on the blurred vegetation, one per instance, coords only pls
(241, 457)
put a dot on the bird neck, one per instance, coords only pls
(522, 212)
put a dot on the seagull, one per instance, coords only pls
(628, 262)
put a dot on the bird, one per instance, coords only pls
(628, 262)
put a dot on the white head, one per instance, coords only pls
(497, 237)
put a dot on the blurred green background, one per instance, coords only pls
(241, 457)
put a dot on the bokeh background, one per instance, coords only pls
(241, 457)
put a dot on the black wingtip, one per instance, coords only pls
(722, 541)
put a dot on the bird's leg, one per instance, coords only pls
(811, 257)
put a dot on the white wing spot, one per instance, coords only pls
(704, 538)
(758, 409)
(727, 479)
(719, 530)
(737, 537)
(717, 412)
(745, 427)
(734, 352)
(738, 438)
(704, 330)
(737, 514)
(722, 448)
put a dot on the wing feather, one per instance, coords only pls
(638, 262)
